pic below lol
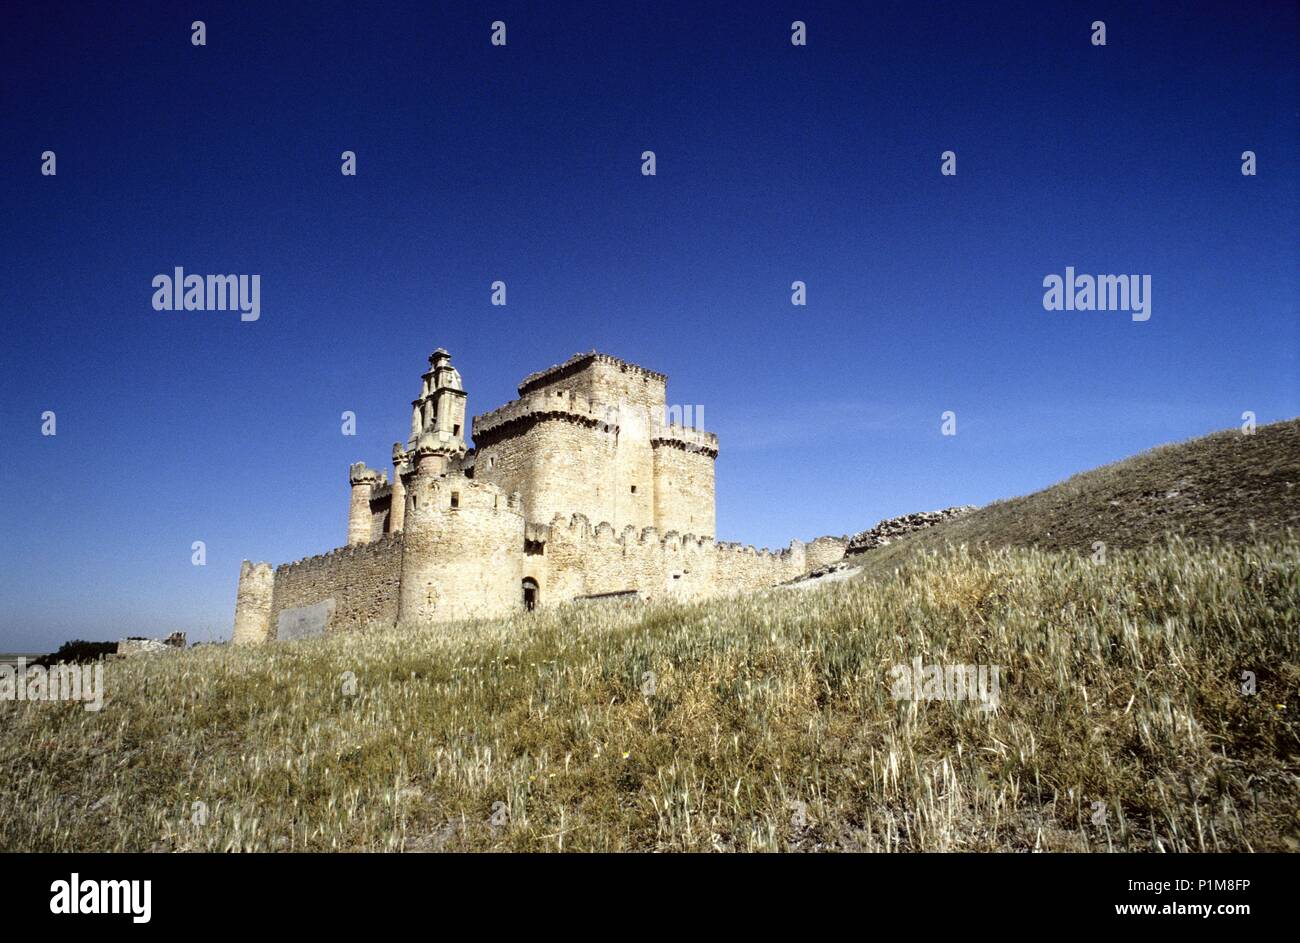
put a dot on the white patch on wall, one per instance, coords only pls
(305, 621)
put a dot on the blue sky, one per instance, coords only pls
(522, 163)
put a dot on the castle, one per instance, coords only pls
(582, 488)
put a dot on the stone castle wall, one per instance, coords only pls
(582, 559)
(471, 562)
(824, 551)
(352, 587)
(744, 568)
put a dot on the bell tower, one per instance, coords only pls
(440, 408)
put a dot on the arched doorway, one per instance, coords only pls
(530, 594)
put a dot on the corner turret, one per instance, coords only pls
(253, 604)
(363, 481)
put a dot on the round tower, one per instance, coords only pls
(253, 604)
(462, 554)
(397, 507)
(363, 481)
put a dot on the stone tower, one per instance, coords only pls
(592, 436)
(440, 407)
(462, 549)
(364, 481)
(253, 603)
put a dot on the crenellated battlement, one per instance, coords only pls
(578, 525)
(361, 474)
(686, 438)
(385, 544)
(565, 405)
(573, 406)
(248, 569)
(580, 362)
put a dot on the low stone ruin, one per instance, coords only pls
(886, 532)
(138, 645)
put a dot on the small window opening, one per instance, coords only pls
(455, 499)
(634, 489)
(455, 430)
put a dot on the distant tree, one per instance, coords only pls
(78, 652)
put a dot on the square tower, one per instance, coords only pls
(582, 439)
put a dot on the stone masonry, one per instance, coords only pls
(887, 531)
(584, 486)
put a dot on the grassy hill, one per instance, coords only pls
(1227, 485)
(771, 721)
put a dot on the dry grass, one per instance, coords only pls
(772, 725)
(1229, 486)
